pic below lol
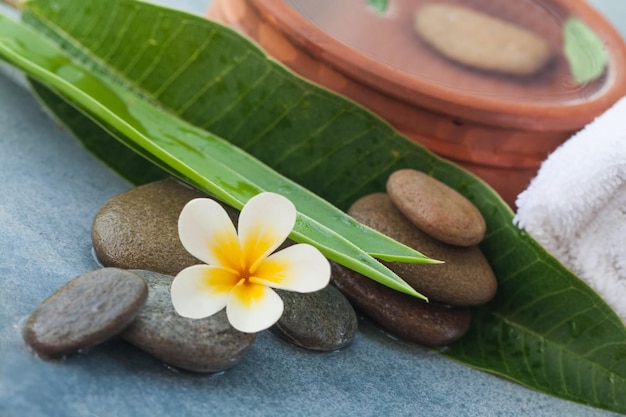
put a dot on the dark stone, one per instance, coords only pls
(428, 324)
(138, 229)
(84, 312)
(464, 279)
(322, 321)
(204, 345)
(435, 208)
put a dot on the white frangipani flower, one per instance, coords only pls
(241, 269)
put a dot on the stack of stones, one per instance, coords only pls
(135, 236)
(428, 216)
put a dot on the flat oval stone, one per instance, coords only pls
(321, 321)
(480, 40)
(138, 229)
(428, 324)
(464, 279)
(435, 208)
(204, 345)
(84, 312)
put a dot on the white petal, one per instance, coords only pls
(300, 268)
(201, 291)
(206, 232)
(265, 222)
(252, 308)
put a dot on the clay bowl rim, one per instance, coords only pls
(565, 116)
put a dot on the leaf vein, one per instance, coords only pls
(306, 141)
(193, 56)
(154, 63)
(234, 103)
(277, 120)
(194, 98)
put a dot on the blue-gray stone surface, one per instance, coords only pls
(50, 190)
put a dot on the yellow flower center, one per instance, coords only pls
(245, 266)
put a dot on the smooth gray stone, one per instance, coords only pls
(322, 320)
(84, 312)
(204, 345)
(138, 229)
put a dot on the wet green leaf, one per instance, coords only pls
(195, 155)
(545, 328)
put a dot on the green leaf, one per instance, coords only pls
(201, 158)
(128, 163)
(379, 5)
(544, 329)
(584, 50)
(547, 330)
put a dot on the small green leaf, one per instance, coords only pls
(379, 5)
(584, 50)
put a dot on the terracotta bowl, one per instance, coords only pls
(501, 127)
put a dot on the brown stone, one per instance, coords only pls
(465, 278)
(138, 229)
(429, 324)
(480, 40)
(84, 312)
(436, 208)
(205, 345)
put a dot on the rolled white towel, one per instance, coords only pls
(576, 205)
